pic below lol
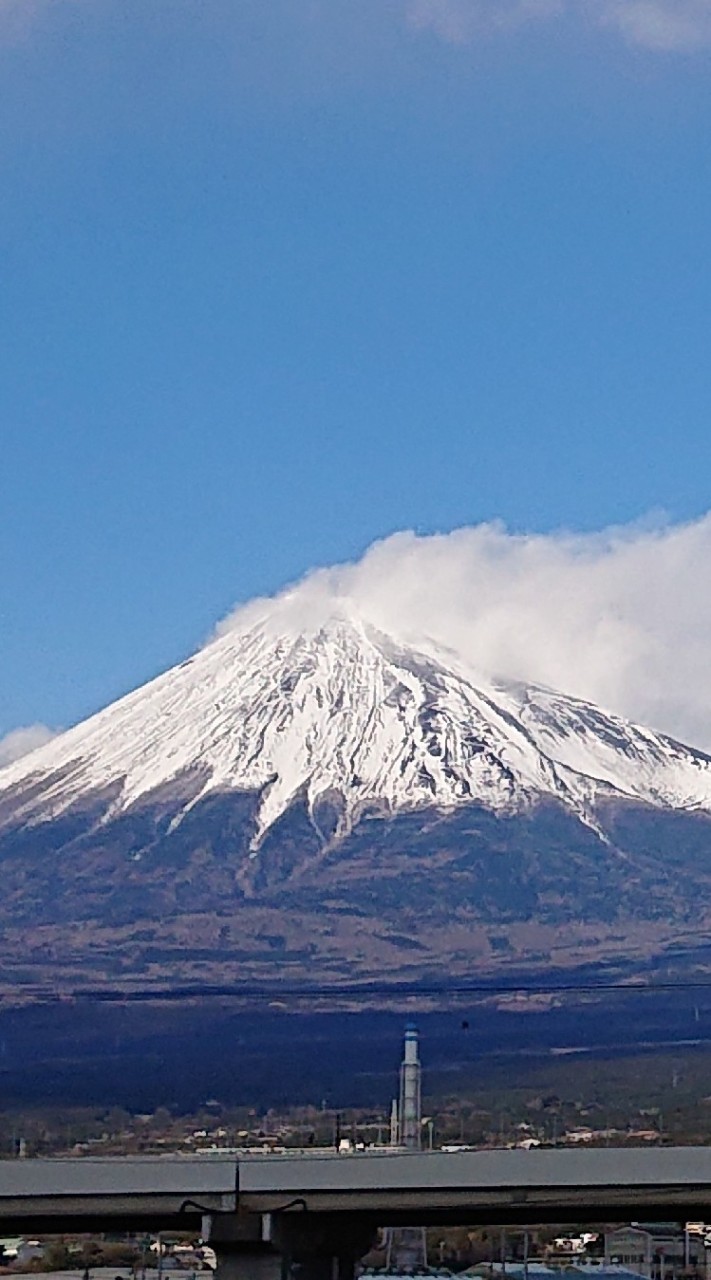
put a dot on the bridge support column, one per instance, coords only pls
(322, 1267)
(246, 1262)
(242, 1247)
(320, 1246)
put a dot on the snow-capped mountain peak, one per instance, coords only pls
(341, 714)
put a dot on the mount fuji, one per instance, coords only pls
(326, 802)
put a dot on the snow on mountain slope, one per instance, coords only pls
(344, 712)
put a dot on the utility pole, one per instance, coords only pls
(394, 1125)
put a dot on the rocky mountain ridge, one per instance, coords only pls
(350, 718)
(330, 802)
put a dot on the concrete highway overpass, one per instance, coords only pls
(321, 1209)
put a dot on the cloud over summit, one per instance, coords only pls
(19, 742)
(669, 26)
(622, 617)
(681, 26)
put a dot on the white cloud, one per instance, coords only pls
(663, 25)
(459, 21)
(19, 742)
(667, 25)
(622, 617)
(19, 18)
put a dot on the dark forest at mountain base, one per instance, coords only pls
(144, 1055)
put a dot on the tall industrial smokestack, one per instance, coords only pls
(406, 1247)
(410, 1126)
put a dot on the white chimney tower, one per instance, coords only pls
(410, 1126)
(407, 1246)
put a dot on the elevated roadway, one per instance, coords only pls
(321, 1209)
(490, 1187)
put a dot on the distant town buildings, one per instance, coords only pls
(658, 1251)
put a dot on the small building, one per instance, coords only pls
(655, 1252)
(19, 1250)
(630, 1247)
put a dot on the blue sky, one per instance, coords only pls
(280, 277)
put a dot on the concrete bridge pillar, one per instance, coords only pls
(242, 1247)
(320, 1246)
(237, 1261)
(287, 1246)
(328, 1266)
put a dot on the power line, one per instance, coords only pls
(279, 994)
